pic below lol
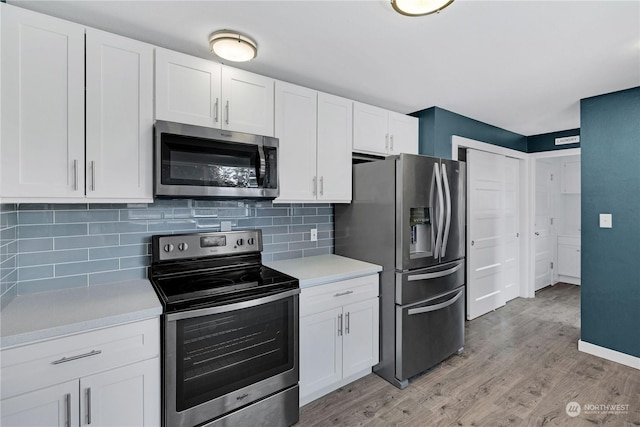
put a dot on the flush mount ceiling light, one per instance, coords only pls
(232, 46)
(419, 7)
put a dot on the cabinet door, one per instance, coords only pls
(187, 89)
(335, 130)
(119, 108)
(295, 127)
(370, 129)
(361, 336)
(248, 102)
(51, 406)
(127, 396)
(569, 260)
(571, 176)
(42, 148)
(320, 350)
(403, 133)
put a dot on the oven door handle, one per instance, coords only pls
(231, 307)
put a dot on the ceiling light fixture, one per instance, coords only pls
(419, 7)
(232, 46)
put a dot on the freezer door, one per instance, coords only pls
(426, 283)
(453, 183)
(419, 213)
(428, 333)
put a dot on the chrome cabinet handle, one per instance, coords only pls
(227, 109)
(67, 399)
(75, 175)
(89, 405)
(315, 185)
(93, 175)
(339, 294)
(346, 329)
(215, 111)
(391, 143)
(322, 185)
(340, 325)
(79, 356)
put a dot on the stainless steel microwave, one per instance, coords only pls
(199, 162)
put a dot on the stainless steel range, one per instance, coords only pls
(230, 332)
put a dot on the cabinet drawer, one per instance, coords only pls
(323, 297)
(50, 362)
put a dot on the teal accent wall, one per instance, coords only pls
(610, 293)
(547, 141)
(437, 125)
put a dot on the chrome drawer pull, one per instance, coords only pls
(339, 294)
(80, 356)
(67, 399)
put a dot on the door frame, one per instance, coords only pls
(526, 271)
(533, 157)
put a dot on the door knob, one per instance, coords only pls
(537, 234)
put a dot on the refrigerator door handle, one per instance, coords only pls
(434, 275)
(435, 307)
(447, 227)
(440, 204)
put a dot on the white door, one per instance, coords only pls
(403, 133)
(335, 133)
(42, 138)
(370, 129)
(542, 226)
(51, 406)
(127, 396)
(295, 127)
(320, 350)
(187, 89)
(361, 336)
(247, 102)
(511, 250)
(119, 117)
(485, 261)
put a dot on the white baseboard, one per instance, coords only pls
(607, 353)
(569, 279)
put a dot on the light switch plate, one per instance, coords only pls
(314, 234)
(606, 221)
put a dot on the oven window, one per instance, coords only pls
(220, 353)
(210, 163)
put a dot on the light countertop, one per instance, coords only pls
(322, 269)
(44, 315)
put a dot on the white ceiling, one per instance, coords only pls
(519, 65)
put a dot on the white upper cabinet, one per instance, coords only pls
(187, 89)
(119, 117)
(314, 131)
(382, 132)
(205, 93)
(42, 137)
(43, 112)
(247, 101)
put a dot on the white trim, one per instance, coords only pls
(555, 153)
(607, 353)
(568, 279)
(459, 141)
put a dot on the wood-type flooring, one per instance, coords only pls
(521, 367)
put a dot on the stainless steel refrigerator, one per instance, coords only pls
(408, 215)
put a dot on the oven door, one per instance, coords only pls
(196, 161)
(219, 359)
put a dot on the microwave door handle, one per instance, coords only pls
(440, 209)
(262, 170)
(447, 193)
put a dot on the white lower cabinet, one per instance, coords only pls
(339, 335)
(106, 377)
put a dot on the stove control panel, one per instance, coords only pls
(194, 245)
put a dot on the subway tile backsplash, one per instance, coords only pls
(48, 247)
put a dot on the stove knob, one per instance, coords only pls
(168, 247)
(183, 246)
(251, 241)
(240, 242)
